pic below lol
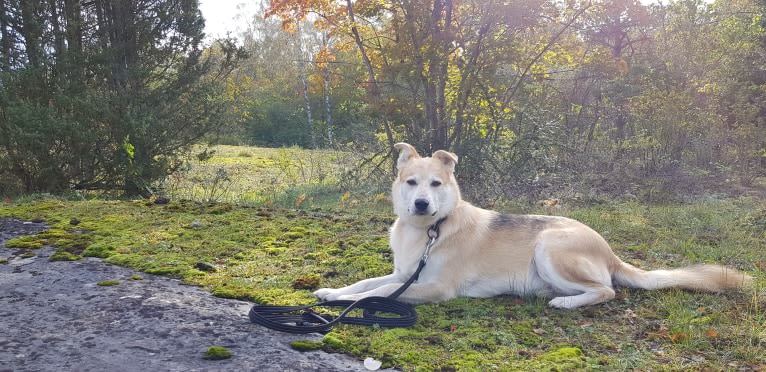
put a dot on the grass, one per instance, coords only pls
(263, 176)
(278, 249)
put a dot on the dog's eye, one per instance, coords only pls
(436, 184)
(412, 182)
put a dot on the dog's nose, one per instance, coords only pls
(421, 205)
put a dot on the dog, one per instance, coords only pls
(482, 253)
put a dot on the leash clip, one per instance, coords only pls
(429, 244)
(433, 234)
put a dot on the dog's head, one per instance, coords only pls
(425, 189)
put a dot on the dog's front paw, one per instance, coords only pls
(561, 303)
(326, 294)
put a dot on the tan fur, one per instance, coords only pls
(481, 253)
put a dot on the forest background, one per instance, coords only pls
(566, 98)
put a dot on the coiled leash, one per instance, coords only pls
(375, 310)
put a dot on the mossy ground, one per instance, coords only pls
(278, 254)
(217, 353)
(108, 283)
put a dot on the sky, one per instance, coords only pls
(221, 16)
(225, 15)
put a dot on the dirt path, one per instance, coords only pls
(54, 317)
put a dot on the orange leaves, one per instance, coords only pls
(711, 334)
(293, 11)
(290, 12)
(665, 334)
(324, 57)
(678, 337)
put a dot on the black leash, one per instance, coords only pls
(375, 310)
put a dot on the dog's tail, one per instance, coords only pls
(707, 278)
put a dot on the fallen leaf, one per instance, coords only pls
(678, 337)
(538, 331)
(662, 334)
(711, 333)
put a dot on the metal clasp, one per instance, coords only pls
(433, 234)
(429, 244)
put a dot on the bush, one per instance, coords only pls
(101, 116)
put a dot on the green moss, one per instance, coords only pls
(306, 345)
(62, 255)
(73, 243)
(165, 270)
(292, 235)
(28, 255)
(524, 333)
(332, 342)
(135, 261)
(219, 208)
(108, 283)
(25, 242)
(233, 293)
(274, 251)
(563, 354)
(468, 361)
(100, 250)
(136, 277)
(565, 359)
(3, 261)
(217, 353)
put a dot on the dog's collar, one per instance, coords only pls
(433, 230)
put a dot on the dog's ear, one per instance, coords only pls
(406, 152)
(449, 159)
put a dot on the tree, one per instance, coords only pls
(104, 94)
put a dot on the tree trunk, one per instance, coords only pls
(31, 31)
(438, 69)
(6, 44)
(328, 107)
(326, 82)
(373, 88)
(305, 84)
(73, 16)
(58, 33)
(307, 102)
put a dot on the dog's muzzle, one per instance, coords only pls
(422, 207)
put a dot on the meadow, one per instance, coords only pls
(271, 225)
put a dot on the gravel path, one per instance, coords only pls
(54, 317)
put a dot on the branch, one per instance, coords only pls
(512, 92)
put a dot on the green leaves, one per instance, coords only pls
(130, 150)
